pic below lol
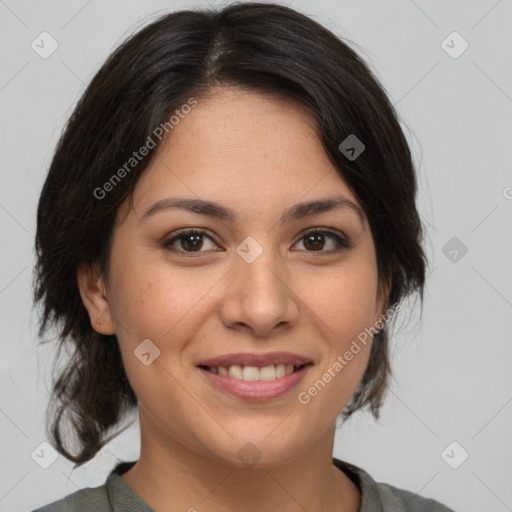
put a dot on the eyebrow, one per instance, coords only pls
(212, 209)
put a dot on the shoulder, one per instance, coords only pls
(114, 494)
(407, 501)
(90, 499)
(378, 496)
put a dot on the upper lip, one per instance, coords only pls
(252, 359)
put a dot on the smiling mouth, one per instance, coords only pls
(254, 373)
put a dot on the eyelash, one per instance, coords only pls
(342, 243)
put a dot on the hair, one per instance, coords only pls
(257, 47)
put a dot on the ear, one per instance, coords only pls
(94, 295)
(382, 303)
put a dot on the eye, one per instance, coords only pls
(192, 242)
(188, 242)
(316, 240)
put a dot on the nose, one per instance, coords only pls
(259, 298)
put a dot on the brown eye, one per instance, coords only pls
(317, 241)
(314, 241)
(191, 242)
(188, 242)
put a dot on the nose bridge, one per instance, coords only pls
(261, 276)
(258, 295)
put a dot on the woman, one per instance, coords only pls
(227, 226)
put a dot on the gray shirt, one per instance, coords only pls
(117, 496)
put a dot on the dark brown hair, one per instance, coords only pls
(267, 48)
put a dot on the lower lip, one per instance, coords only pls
(256, 389)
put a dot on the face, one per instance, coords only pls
(259, 276)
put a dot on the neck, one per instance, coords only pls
(170, 476)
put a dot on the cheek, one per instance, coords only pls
(149, 300)
(343, 301)
(152, 302)
(343, 308)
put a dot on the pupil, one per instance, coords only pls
(192, 242)
(315, 241)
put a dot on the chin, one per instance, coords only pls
(259, 453)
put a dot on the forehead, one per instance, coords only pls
(242, 148)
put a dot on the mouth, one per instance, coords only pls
(255, 373)
(255, 376)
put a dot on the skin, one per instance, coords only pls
(258, 156)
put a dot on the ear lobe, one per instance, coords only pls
(93, 292)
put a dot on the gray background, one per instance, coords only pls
(452, 369)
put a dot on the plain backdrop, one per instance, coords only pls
(451, 396)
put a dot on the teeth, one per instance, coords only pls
(270, 372)
(280, 370)
(250, 373)
(235, 371)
